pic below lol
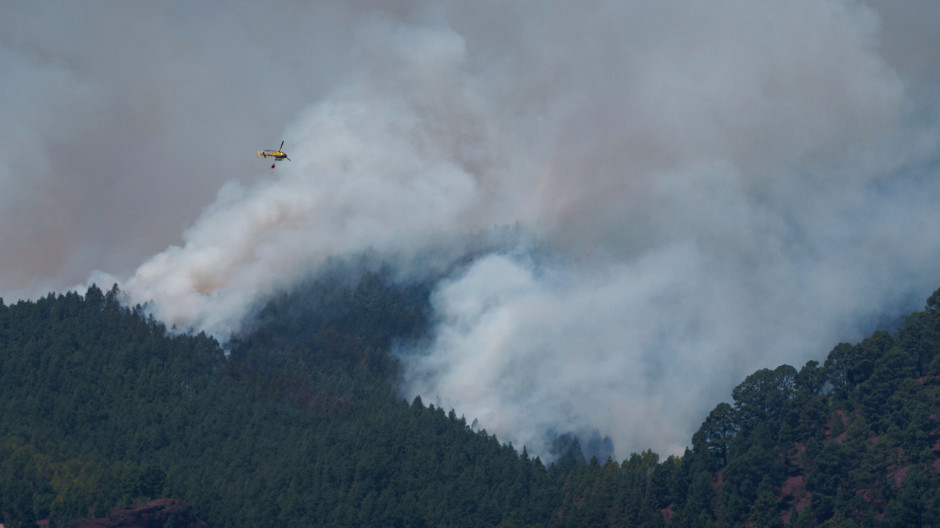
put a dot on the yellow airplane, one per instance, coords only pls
(274, 153)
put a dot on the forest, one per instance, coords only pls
(298, 422)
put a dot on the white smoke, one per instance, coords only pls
(717, 188)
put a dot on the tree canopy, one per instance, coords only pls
(299, 423)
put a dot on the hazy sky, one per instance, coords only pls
(711, 188)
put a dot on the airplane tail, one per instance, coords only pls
(261, 154)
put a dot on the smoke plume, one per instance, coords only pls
(713, 188)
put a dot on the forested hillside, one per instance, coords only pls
(299, 424)
(851, 442)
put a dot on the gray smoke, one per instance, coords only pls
(714, 188)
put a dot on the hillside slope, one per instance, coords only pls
(300, 424)
(854, 441)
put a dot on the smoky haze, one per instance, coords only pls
(704, 190)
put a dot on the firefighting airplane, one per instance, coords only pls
(277, 154)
